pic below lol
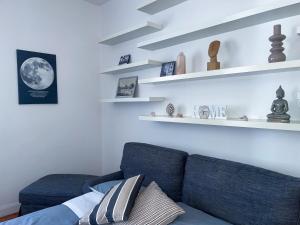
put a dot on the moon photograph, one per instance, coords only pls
(37, 77)
(37, 73)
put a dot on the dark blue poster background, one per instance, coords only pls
(37, 78)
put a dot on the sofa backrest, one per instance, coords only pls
(162, 165)
(241, 194)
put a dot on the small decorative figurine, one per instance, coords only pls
(180, 64)
(204, 112)
(179, 115)
(277, 49)
(279, 108)
(244, 118)
(213, 52)
(170, 109)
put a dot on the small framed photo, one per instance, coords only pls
(125, 59)
(168, 69)
(127, 87)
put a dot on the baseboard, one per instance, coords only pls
(9, 209)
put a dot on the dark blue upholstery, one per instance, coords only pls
(98, 180)
(163, 165)
(50, 191)
(241, 194)
(27, 209)
(236, 193)
(194, 216)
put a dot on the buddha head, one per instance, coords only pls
(280, 93)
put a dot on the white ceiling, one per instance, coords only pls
(97, 2)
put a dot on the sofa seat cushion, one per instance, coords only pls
(241, 194)
(53, 189)
(162, 165)
(193, 216)
(106, 186)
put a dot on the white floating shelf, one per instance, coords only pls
(155, 6)
(229, 72)
(126, 68)
(258, 124)
(131, 33)
(132, 100)
(259, 15)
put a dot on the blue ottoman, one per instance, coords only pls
(51, 190)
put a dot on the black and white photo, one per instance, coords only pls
(37, 81)
(168, 69)
(125, 59)
(127, 87)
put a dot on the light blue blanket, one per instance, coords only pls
(57, 215)
(67, 213)
(62, 215)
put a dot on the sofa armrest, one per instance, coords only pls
(92, 182)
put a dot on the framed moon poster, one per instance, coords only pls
(37, 78)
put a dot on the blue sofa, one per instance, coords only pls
(212, 191)
(50, 191)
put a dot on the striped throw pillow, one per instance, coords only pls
(152, 207)
(117, 204)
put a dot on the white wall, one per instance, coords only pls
(68, 138)
(275, 150)
(36, 140)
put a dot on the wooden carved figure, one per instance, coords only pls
(277, 49)
(213, 53)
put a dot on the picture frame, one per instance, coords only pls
(37, 77)
(125, 59)
(127, 87)
(168, 69)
